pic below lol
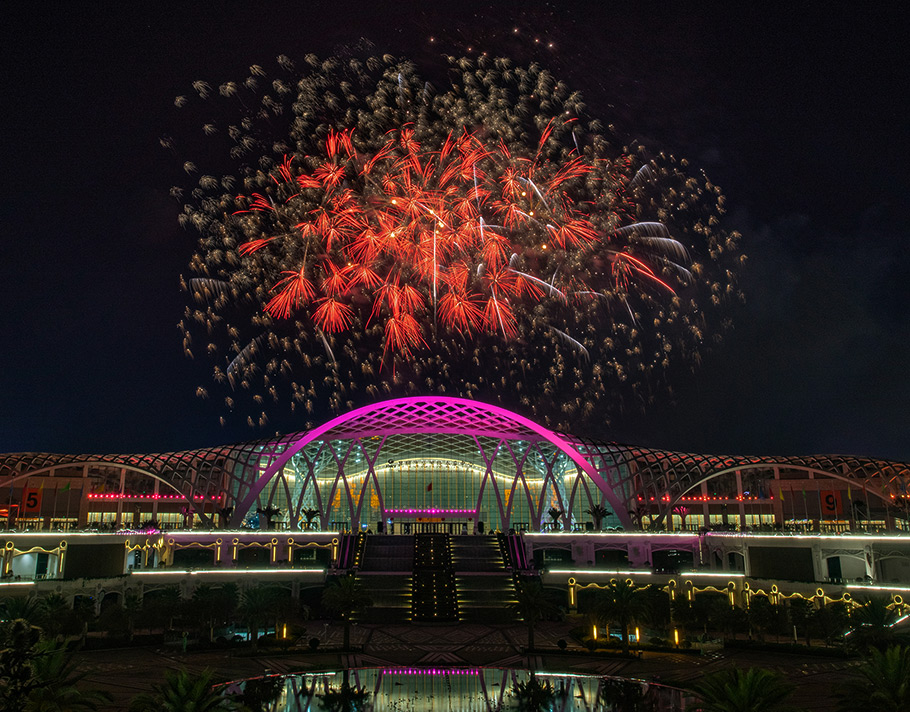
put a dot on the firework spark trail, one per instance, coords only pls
(380, 220)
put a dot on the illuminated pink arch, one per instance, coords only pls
(442, 415)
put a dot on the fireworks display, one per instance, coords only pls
(377, 234)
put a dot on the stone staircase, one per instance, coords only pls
(483, 581)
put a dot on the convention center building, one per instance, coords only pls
(570, 509)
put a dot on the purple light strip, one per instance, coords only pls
(431, 511)
(130, 532)
(431, 671)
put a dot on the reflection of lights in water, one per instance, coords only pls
(432, 689)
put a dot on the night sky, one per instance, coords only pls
(801, 118)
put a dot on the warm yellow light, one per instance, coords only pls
(676, 636)
(284, 631)
(637, 635)
(594, 632)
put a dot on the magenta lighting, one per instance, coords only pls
(432, 512)
(431, 671)
(149, 497)
(129, 532)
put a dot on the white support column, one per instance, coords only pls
(742, 505)
(83, 499)
(119, 522)
(818, 563)
(640, 554)
(869, 560)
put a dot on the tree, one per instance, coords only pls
(345, 598)
(132, 608)
(682, 512)
(26, 608)
(873, 626)
(18, 643)
(114, 621)
(620, 602)
(224, 516)
(534, 695)
(269, 513)
(55, 615)
(346, 698)
(261, 692)
(881, 683)
(598, 513)
(555, 513)
(764, 616)
(204, 605)
(255, 609)
(738, 690)
(621, 695)
(56, 691)
(161, 607)
(182, 691)
(534, 603)
(802, 615)
(831, 621)
(310, 515)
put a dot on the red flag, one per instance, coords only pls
(430, 487)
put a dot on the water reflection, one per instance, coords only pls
(450, 689)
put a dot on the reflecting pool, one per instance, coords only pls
(453, 689)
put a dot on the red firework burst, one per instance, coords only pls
(416, 230)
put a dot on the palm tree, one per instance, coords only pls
(345, 698)
(27, 608)
(625, 696)
(204, 606)
(256, 604)
(682, 512)
(56, 615)
(873, 626)
(831, 620)
(534, 603)
(598, 513)
(310, 515)
(555, 513)
(269, 513)
(764, 616)
(738, 690)
(18, 646)
(802, 616)
(345, 597)
(163, 606)
(882, 683)
(56, 684)
(224, 515)
(182, 691)
(621, 602)
(534, 695)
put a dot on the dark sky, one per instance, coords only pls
(800, 117)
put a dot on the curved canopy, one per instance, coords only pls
(431, 415)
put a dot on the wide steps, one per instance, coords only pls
(391, 597)
(434, 596)
(386, 552)
(476, 553)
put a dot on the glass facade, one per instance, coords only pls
(403, 478)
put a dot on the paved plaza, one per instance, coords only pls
(126, 672)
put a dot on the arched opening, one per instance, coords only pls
(420, 462)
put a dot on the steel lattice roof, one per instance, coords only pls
(629, 471)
